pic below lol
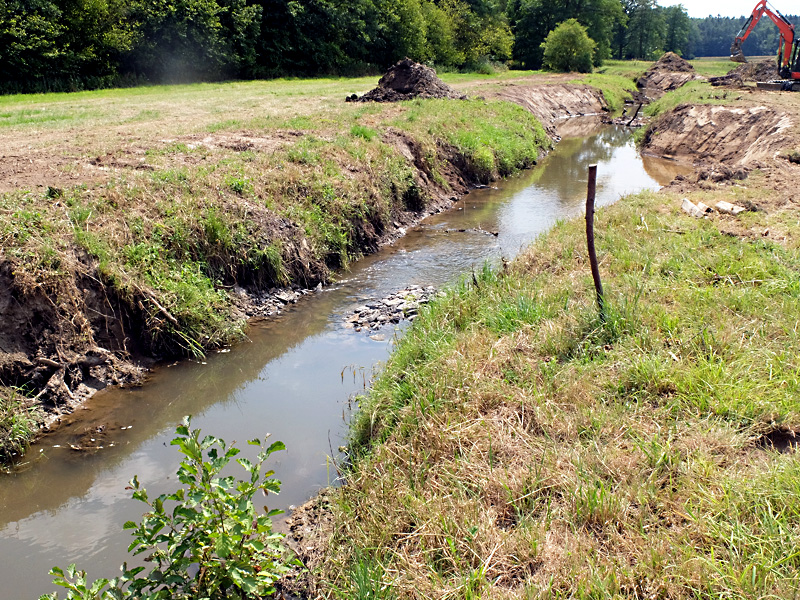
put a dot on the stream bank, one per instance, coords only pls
(169, 254)
(295, 377)
(518, 444)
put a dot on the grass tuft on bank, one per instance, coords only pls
(519, 447)
(19, 423)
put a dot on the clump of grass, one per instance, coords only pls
(496, 138)
(519, 446)
(361, 131)
(19, 423)
(694, 92)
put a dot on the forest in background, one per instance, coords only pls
(66, 45)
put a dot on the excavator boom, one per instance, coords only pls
(787, 51)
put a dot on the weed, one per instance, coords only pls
(18, 423)
(363, 132)
(205, 540)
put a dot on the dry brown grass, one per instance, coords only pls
(518, 447)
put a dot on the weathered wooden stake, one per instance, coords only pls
(636, 114)
(598, 285)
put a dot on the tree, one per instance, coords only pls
(646, 29)
(569, 48)
(532, 18)
(679, 27)
(479, 35)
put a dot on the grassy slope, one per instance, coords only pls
(172, 239)
(517, 446)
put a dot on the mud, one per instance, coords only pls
(669, 73)
(408, 80)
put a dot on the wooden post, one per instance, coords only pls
(598, 285)
(636, 114)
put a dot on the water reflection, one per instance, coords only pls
(294, 378)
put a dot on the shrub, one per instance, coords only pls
(206, 540)
(569, 48)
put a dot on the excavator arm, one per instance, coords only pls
(787, 42)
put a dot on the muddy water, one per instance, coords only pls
(294, 378)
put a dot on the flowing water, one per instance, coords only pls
(295, 377)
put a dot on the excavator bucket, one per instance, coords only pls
(736, 53)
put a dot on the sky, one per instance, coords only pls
(729, 8)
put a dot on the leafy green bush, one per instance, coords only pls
(206, 540)
(569, 48)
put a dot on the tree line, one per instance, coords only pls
(53, 45)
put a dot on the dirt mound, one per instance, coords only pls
(673, 63)
(408, 80)
(669, 73)
(708, 134)
(765, 70)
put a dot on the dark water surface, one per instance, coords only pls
(295, 377)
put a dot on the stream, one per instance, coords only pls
(294, 378)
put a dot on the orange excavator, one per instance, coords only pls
(788, 59)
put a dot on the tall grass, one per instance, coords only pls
(518, 446)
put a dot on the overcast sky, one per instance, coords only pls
(729, 8)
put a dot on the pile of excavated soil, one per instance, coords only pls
(707, 134)
(765, 70)
(408, 80)
(669, 73)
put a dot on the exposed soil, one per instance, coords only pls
(669, 73)
(747, 72)
(405, 81)
(779, 440)
(705, 134)
(552, 103)
(41, 169)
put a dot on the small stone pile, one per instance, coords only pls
(405, 81)
(271, 303)
(391, 309)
